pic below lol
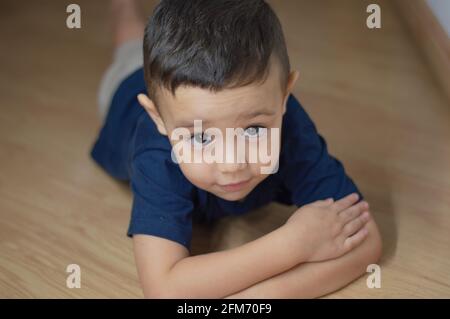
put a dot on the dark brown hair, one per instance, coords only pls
(212, 44)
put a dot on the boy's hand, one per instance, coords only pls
(329, 229)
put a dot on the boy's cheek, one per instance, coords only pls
(198, 174)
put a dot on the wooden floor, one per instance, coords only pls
(370, 92)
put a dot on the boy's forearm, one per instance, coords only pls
(219, 274)
(311, 280)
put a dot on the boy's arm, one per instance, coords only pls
(318, 231)
(315, 279)
(167, 271)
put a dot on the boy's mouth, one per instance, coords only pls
(233, 187)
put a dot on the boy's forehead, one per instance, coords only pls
(192, 103)
(198, 104)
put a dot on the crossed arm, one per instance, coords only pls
(315, 279)
(232, 273)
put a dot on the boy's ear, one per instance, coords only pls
(293, 77)
(149, 106)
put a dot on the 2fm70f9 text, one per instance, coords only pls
(246, 308)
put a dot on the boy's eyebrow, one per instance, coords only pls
(190, 124)
(265, 112)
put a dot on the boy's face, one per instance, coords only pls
(250, 108)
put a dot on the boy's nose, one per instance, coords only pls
(231, 167)
(234, 158)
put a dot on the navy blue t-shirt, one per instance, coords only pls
(130, 148)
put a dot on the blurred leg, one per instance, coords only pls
(128, 32)
(127, 21)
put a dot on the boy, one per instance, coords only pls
(224, 63)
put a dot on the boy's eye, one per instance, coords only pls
(254, 131)
(201, 139)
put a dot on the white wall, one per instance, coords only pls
(441, 9)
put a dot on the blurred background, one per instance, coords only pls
(380, 97)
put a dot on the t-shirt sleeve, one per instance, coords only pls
(312, 173)
(162, 198)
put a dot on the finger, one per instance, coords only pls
(355, 240)
(356, 224)
(345, 202)
(351, 213)
(323, 203)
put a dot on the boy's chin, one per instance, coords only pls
(233, 196)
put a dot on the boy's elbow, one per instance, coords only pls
(163, 291)
(153, 291)
(160, 291)
(158, 288)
